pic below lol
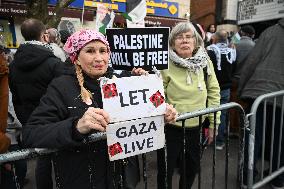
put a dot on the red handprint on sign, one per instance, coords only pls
(157, 99)
(115, 149)
(109, 90)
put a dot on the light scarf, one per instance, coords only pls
(194, 64)
(222, 48)
(33, 42)
(56, 50)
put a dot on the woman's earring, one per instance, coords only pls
(78, 62)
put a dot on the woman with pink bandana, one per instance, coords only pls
(71, 110)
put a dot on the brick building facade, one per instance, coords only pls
(203, 12)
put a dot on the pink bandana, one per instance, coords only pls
(79, 39)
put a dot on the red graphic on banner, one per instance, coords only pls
(115, 149)
(109, 90)
(157, 99)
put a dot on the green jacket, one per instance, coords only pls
(188, 97)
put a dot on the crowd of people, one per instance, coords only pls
(54, 70)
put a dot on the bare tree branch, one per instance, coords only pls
(39, 9)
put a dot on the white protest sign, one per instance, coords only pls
(135, 137)
(133, 97)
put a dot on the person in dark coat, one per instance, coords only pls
(33, 68)
(71, 110)
(243, 47)
(223, 58)
(263, 73)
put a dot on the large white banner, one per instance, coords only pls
(133, 97)
(251, 11)
(139, 136)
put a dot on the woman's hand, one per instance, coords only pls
(93, 118)
(171, 114)
(211, 135)
(139, 71)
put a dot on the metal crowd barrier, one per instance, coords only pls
(36, 152)
(274, 101)
(214, 110)
(33, 153)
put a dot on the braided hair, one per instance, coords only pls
(85, 94)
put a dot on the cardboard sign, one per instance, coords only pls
(130, 138)
(104, 18)
(133, 97)
(139, 48)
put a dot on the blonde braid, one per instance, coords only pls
(85, 94)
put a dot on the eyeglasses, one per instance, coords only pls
(186, 37)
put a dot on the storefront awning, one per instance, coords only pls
(151, 21)
(162, 21)
(8, 10)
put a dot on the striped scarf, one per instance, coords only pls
(33, 42)
(194, 64)
(222, 48)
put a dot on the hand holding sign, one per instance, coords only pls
(139, 71)
(93, 118)
(171, 114)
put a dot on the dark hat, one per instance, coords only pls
(248, 29)
(64, 34)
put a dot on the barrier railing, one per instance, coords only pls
(214, 110)
(36, 152)
(266, 109)
(33, 153)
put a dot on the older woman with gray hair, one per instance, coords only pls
(190, 84)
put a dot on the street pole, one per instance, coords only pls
(218, 12)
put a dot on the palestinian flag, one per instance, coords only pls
(235, 38)
(135, 11)
(104, 18)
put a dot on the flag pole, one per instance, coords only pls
(83, 11)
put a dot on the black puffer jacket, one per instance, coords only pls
(31, 71)
(52, 125)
